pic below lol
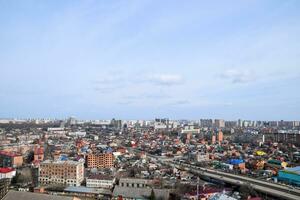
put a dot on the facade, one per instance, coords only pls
(13, 195)
(213, 139)
(9, 159)
(100, 160)
(4, 185)
(61, 172)
(100, 182)
(131, 189)
(133, 182)
(38, 154)
(220, 137)
(202, 157)
(206, 122)
(7, 173)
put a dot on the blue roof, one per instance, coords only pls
(235, 161)
(82, 189)
(294, 169)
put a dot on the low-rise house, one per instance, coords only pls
(100, 181)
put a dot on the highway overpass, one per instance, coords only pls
(268, 188)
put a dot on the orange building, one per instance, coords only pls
(38, 153)
(101, 160)
(220, 137)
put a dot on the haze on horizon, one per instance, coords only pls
(150, 58)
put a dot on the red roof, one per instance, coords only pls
(10, 154)
(39, 151)
(6, 170)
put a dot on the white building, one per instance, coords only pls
(78, 134)
(99, 181)
(7, 173)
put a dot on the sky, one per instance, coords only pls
(141, 59)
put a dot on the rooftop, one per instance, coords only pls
(10, 154)
(60, 162)
(6, 170)
(13, 195)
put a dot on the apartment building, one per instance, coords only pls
(7, 173)
(10, 159)
(61, 172)
(100, 160)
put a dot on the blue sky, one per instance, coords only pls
(150, 58)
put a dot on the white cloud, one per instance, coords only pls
(239, 76)
(166, 79)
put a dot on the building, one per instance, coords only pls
(206, 122)
(38, 154)
(161, 124)
(133, 182)
(275, 164)
(290, 175)
(213, 139)
(100, 160)
(10, 159)
(4, 185)
(219, 123)
(220, 137)
(202, 157)
(88, 193)
(100, 181)
(125, 193)
(231, 124)
(13, 195)
(77, 134)
(131, 188)
(7, 173)
(116, 124)
(61, 172)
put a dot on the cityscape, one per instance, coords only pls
(149, 100)
(150, 159)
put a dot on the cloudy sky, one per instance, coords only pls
(142, 59)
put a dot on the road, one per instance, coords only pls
(272, 189)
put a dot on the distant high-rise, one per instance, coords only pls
(219, 123)
(206, 122)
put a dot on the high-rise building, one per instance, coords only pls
(116, 124)
(219, 123)
(61, 172)
(206, 122)
(100, 160)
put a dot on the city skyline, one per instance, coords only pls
(147, 59)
